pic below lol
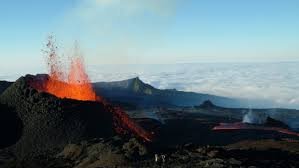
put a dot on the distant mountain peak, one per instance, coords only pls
(207, 104)
(136, 80)
(137, 85)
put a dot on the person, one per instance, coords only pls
(163, 157)
(156, 158)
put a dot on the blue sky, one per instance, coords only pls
(151, 31)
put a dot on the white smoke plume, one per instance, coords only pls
(253, 117)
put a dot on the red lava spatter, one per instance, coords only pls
(73, 83)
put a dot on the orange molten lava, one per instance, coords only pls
(77, 86)
(68, 82)
(74, 83)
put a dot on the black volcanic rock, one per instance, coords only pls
(275, 123)
(49, 122)
(10, 127)
(4, 85)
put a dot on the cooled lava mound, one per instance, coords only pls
(10, 126)
(275, 123)
(49, 122)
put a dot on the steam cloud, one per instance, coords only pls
(255, 117)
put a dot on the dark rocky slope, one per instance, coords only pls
(49, 122)
(10, 127)
(4, 85)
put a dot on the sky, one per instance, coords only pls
(150, 31)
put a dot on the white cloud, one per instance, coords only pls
(275, 83)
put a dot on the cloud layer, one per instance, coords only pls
(276, 83)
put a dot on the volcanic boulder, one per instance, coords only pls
(10, 127)
(50, 122)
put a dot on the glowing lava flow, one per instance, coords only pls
(244, 126)
(75, 84)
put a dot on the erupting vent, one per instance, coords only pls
(74, 83)
(68, 82)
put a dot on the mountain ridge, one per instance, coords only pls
(135, 91)
(134, 84)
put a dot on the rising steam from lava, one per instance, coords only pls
(253, 117)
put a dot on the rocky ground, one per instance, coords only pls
(39, 130)
(116, 152)
(48, 122)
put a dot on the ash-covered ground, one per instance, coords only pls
(41, 130)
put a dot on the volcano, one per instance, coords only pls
(51, 122)
(73, 82)
(62, 107)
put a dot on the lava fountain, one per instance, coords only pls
(73, 83)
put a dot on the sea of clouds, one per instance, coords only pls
(277, 83)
